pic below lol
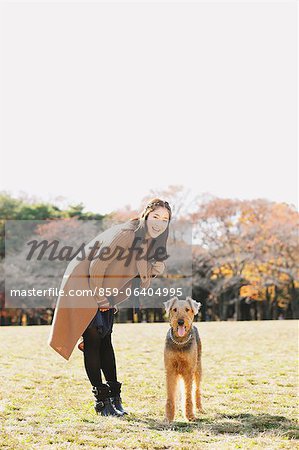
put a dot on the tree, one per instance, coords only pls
(247, 243)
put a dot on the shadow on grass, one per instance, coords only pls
(249, 424)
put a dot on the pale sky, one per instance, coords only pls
(102, 102)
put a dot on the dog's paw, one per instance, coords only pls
(191, 417)
(168, 420)
(199, 406)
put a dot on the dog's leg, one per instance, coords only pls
(189, 408)
(198, 373)
(171, 385)
(197, 391)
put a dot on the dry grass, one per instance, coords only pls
(249, 391)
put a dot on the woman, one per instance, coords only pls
(119, 257)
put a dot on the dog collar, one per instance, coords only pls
(180, 343)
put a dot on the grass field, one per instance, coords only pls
(249, 391)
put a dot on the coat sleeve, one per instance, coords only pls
(153, 273)
(98, 266)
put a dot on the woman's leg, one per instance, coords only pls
(92, 361)
(107, 358)
(92, 345)
(108, 367)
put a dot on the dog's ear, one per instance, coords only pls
(195, 306)
(169, 304)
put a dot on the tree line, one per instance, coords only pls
(245, 254)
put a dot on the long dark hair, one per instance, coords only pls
(158, 250)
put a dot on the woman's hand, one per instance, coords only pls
(158, 268)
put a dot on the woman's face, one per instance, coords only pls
(157, 222)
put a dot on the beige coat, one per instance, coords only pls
(74, 313)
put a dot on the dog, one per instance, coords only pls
(182, 355)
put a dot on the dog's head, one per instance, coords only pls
(181, 314)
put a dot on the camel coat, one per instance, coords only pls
(74, 313)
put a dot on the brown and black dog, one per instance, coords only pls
(182, 355)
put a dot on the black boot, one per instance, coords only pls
(115, 388)
(103, 404)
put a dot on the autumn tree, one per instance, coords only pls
(246, 243)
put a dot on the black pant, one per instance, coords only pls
(98, 355)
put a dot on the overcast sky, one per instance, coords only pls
(102, 102)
